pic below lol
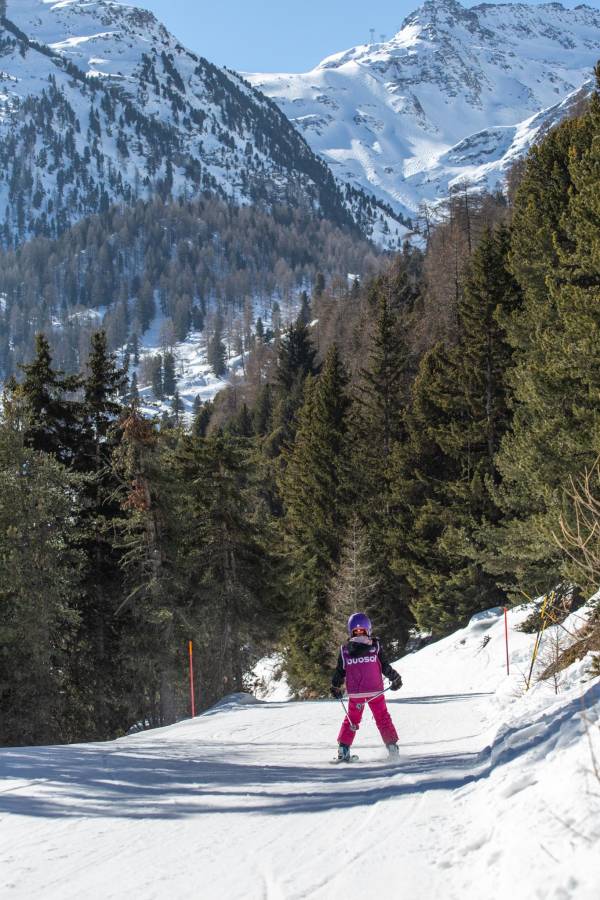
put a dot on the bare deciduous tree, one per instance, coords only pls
(579, 536)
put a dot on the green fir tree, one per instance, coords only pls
(314, 490)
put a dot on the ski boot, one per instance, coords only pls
(393, 751)
(344, 753)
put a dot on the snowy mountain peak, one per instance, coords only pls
(392, 117)
(100, 104)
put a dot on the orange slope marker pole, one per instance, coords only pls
(191, 655)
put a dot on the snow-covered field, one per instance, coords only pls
(494, 794)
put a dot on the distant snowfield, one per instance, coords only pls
(454, 98)
(494, 795)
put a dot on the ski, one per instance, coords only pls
(352, 759)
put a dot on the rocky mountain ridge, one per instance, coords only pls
(100, 104)
(455, 96)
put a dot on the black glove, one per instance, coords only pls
(336, 692)
(396, 682)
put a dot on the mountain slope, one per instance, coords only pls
(492, 787)
(99, 103)
(455, 95)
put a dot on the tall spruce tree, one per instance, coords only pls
(53, 414)
(296, 357)
(148, 620)
(169, 379)
(295, 362)
(553, 381)
(99, 665)
(216, 352)
(39, 506)
(314, 490)
(378, 426)
(224, 571)
(445, 472)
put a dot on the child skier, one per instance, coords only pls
(361, 664)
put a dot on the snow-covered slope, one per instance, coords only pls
(494, 795)
(100, 103)
(456, 95)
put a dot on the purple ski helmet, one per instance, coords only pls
(359, 620)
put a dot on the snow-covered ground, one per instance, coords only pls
(494, 794)
(193, 373)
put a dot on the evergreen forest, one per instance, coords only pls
(411, 445)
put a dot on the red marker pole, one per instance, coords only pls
(506, 639)
(190, 650)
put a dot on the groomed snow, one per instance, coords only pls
(493, 796)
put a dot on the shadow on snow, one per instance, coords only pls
(170, 784)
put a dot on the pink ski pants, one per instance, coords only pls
(383, 720)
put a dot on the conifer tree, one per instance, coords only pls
(39, 506)
(553, 380)
(305, 313)
(224, 570)
(296, 357)
(314, 490)
(98, 666)
(262, 413)
(202, 419)
(169, 379)
(156, 376)
(243, 425)
(378, 426)
(446, 469)
(295, 361)
(101, 406)
(134, 394)
(148, 641)
(178, 408)
(53, 415)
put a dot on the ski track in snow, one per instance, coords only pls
(492, 795)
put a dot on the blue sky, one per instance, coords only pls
(281, 35)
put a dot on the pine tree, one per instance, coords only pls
(101, 406)
(553, 380)
(305, 314)
(156, 376)
(295, 361)
(446, 469)
(202, 419)
(169, 379)
(319, 286)
(134, 394)
(98, 667)
(262, 413)
(217, 354)
(53, 415)
(39, 506)
(224, 569)
(314, 490)
(296, 357)
(378, 426)
(177, 407)
(243, 425)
